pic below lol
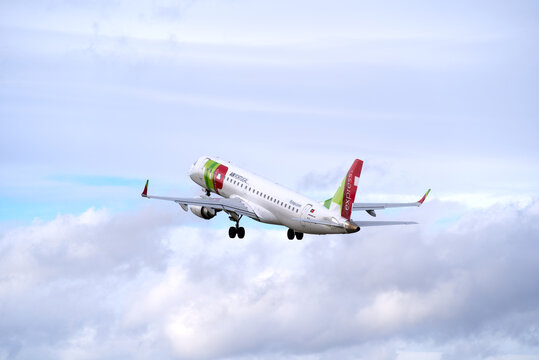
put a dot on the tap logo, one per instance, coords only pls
(214, 175)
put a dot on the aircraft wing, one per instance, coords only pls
(380, 206)
(229, 205)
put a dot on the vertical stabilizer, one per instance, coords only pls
(346, 193)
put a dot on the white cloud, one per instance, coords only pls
(141, 285)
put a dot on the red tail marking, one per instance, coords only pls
(350, 188)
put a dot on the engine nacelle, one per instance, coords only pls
(203, 212)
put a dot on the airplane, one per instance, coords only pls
(246, 194)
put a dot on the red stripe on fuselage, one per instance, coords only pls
(218, 177)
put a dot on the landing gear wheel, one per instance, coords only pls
(290, 234)
(241, 232)
(232, 232)
(299, 235)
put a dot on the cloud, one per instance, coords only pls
(141, 284)
(56, 277)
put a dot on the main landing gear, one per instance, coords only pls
(236, 230)
(291, 234)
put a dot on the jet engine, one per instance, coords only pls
(203, 212)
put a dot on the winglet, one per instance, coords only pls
(145, 192)
(424, 197)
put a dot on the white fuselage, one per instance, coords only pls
(272, 203)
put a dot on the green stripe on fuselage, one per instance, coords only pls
(209, 170)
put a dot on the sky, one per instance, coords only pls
(96, 97)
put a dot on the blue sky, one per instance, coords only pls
(97, 97)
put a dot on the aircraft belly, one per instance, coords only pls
(310, 228)
(323, 229)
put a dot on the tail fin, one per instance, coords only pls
(343, 199)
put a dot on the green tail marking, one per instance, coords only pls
(327, 203)
(337, 198)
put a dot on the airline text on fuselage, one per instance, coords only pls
(238, 177)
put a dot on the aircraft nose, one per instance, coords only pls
(195, 173)
(192, 171)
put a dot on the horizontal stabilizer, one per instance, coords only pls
(382, 223)
(358, 223)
